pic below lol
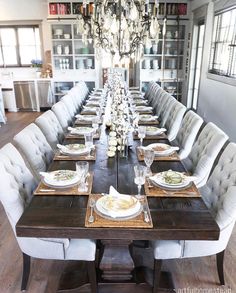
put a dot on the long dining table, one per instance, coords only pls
(63, 216)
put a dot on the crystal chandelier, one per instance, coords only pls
(120, 27)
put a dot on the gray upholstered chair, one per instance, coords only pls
(174, 120)
(17, 185)
(69, 103)
(62, 114)
(204, 152)
(187, 133)
(51, 128)
(151, 86)
(164, 108)
(219, 196)
(35, 149)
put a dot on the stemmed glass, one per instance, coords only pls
(95, 123)
(88, 138)
(149, 156)
(82, 169)
(139, 178)
(141, 133)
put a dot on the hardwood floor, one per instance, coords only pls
(189, 275)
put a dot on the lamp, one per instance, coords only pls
(121, 27)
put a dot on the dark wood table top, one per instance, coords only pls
(64, 216)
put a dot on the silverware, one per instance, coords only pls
(146, 215)
(47, 190)
(150, 185)
(92, 203)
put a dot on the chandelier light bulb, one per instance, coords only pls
(114, 25)
(133, 13)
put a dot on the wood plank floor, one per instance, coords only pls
(189, 275)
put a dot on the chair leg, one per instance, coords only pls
(92, 274)
(26, 271)
(156, 275)
(220, 266)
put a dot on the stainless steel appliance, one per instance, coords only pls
(25, 94)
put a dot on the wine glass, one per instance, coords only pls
(88, 138)
(141, 133)
(95, 123)
(139, 178)
(149, 156)
(82, 169)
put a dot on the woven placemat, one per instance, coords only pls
(76, 136)
(100, 222)
(155, 191)
(88, 157)
(153, 122)
(172, 157)
(160, 136)
(43, 189)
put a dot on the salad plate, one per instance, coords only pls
(73, 149)
(60, 178)
(80, 130)
(152, 130)
(171, 180)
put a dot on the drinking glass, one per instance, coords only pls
(141, 133)
(149, 156)
(95, 123)
(82, 169)
(88, 138)
(139, 178)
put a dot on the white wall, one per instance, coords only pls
(217, 100)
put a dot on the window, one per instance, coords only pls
(19, 45)
(223, 49)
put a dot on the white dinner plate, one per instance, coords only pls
(152, 130)
(81, 130)
(116, 207)
(147, 117)
(74, 149)
(159, 180)
(161, 149)
(61, 178)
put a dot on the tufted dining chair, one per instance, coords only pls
(16, 188)
(219, 196)
(62, 114)
(174, 120)
(51, 128)
(204, 152)
(35, 149)
(150, 89)
(69, 103)
(187, 133)
(164, 108)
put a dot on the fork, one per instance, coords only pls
(92, 203)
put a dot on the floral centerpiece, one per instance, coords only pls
(36, 63)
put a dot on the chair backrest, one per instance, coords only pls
(34, 148)
(62, 114)
(51, 128)
(69, 103)
(187, 133)
(17, 183)
(204, 152)
(150, 88)
(174, 120)
(167, 104)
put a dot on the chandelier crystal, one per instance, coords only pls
(121, 28)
